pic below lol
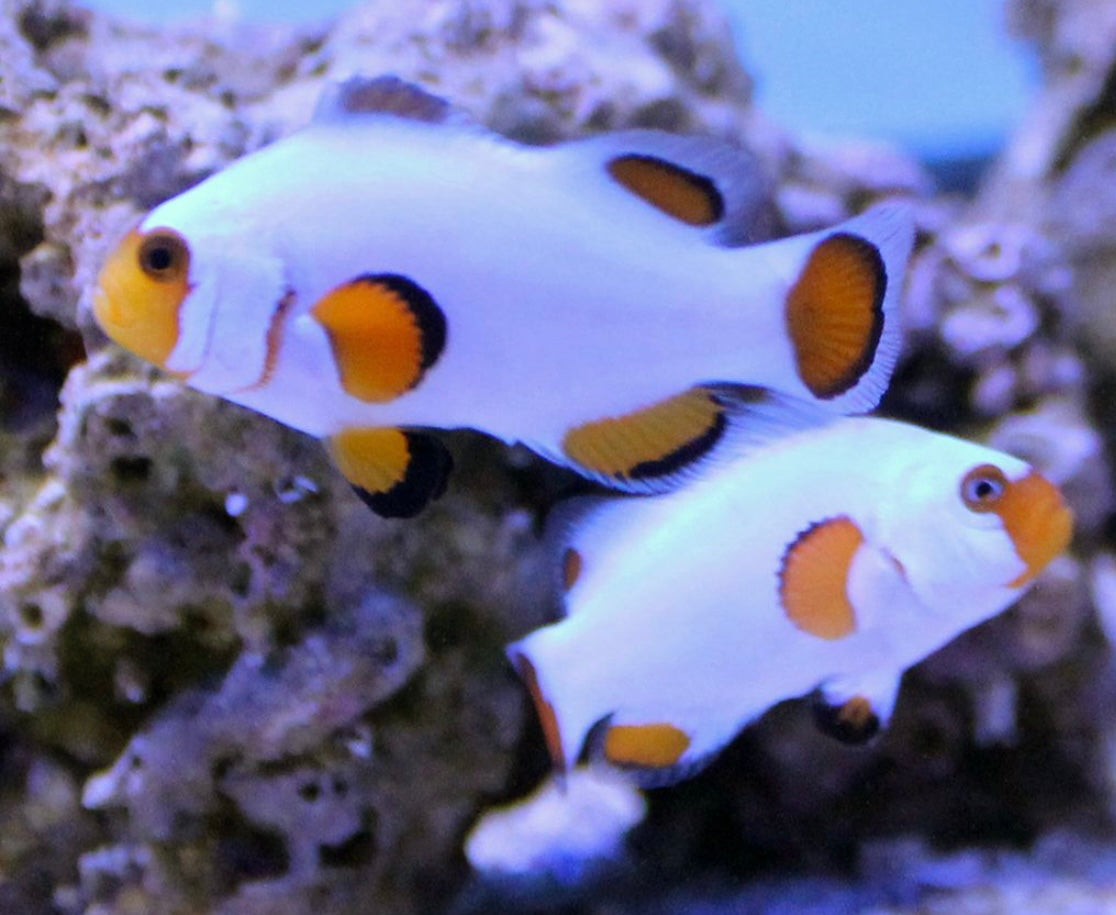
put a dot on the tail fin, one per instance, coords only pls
(841, 309)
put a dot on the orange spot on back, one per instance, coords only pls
(571, 568)
(834, 314)
(813, 581)
(380, 333)
(653, 746)
(545, 711)
(678, 192)
(1038, 521)
(654, 441)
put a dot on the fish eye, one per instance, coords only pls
(164, 257)
(983, 487)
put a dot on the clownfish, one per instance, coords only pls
(391, 269)
(824, 563)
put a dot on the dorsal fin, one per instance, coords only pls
(362, 96)
(704, 182)
(759, 417)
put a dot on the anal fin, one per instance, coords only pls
(396, 473)
(644, 450)
(854, 710)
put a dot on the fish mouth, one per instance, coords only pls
(1039, 523)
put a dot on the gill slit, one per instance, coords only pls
(274, 340)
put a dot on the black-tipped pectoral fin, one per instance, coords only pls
(395, 472)
(854, 710)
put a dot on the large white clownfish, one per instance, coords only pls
(390, 269)
(829, 561)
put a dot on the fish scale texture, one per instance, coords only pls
(228, 688)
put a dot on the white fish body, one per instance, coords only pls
(833, 559)
(375, 272)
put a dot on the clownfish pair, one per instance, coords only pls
(390, 269)
(828, 560)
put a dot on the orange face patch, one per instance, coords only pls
(813, 580)
(653, 442)
(141, 290)
(834, 313)
(652, 746)
(385, 332)
(678, 192)
(1032, 510)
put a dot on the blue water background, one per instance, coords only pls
(940, 79)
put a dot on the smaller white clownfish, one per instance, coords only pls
(390, 269)
(827, 561)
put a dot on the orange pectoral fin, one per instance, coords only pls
(834, 313)
(648, 446)
(395, 473)
(385, 332)
(813, 580)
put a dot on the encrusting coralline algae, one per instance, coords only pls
(228, 688)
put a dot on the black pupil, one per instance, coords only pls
(160, 257)
(984, 489)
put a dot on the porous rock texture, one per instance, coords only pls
(228, 688)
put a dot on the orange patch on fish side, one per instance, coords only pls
(1038, 521)
(834, 313)
(678, 192)
(385, 332)
(571, 568)
(653, 746)
(545, 711)
(813, 580)
(655, 441)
